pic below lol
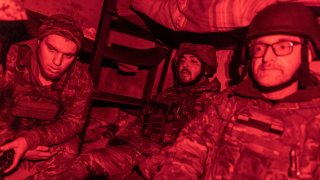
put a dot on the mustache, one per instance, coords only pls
(185, 70)
(268, 67)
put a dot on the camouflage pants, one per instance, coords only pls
(48, 169)
(116, 162)
(113, 162)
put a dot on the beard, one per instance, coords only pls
(185, 73)
(51, 76)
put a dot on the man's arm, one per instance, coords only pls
(186, 159)
(198, 141)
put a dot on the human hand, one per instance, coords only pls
(40, 153)
(19, 146)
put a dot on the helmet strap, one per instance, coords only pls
(303, 73)
(245, 55)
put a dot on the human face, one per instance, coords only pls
(271, 69)
(189, 68)
(56, 54)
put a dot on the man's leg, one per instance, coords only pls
(113, 162)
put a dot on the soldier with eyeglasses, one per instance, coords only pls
(268, 126)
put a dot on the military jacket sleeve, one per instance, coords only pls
(76, 99)
(312, 147)
(188, 157)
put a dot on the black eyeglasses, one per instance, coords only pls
(281, 48)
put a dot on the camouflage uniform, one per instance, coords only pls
(241, 135)
(45, 115)
(143, 140)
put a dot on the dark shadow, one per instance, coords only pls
(11, 32)
(234, 65)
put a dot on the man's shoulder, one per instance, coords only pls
(81, 70)
(80, 75)
(29, 45)
(225, 95)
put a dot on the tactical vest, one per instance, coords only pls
(168, 114)
(269, 142)
(32, 105)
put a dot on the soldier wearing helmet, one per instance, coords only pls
(296, 21)
(160, 123)
(47, 91)
(267, 127)
(203, 55)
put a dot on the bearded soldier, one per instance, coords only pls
(47, 91)
(161, 122)
(268, 126)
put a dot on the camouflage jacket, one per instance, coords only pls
(172, 109)
(241, 135)
(174, 105)
(73, 90)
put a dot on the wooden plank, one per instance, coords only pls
(147, 92)
(118, 99)
(101, 39)
(165, 68)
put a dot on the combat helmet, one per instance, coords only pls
(286, 18)
(291, 19)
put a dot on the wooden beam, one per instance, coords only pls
(101, 40)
